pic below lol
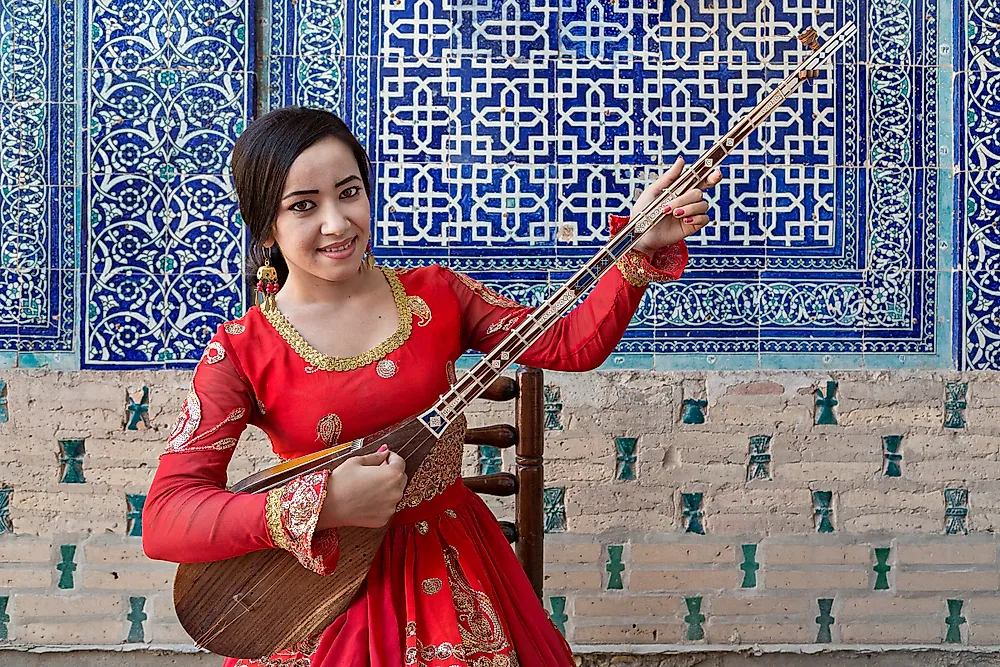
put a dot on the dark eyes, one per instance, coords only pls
(350, 192)
(307, 204)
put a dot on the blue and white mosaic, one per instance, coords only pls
(503, 134)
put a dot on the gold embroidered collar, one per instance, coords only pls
(314, 357)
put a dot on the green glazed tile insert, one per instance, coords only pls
(136, 615)
(66, 566)
(693, 513)
(694, 411)
(824, 620)
(554, 503)
(6, 524)
(759, 463)
(955, 394)
(553, 408)
(749, 566)
(137, 413)
(823, 508)
(956, 511)
(71, 459)
(892, 456)
(826, 403)
(882, 568)
(615, 567)
(490, 460)
(955, 620)
(694, 619)
(135, 502)
(4, 415)
(558, 613)
(4, 617)
(625, 459)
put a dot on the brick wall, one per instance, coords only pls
(874, 528)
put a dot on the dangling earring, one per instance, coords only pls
(267, 282)
(369, 258)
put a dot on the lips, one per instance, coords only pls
(341, 250)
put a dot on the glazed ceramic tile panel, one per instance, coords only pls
(168, 88)
(504, 132)
(38, 246)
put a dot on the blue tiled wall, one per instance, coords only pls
(856, 229)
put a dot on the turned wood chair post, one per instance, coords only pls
(528, 511)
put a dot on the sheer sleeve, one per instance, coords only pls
(189, 516)
(584, 338)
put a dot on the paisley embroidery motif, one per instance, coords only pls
(478, 622)
(311, 369)
(292, 512)
(386, 368)
(214, 353)
(449, 372)
(233, 328)
(187, 422)
(329, 428)
(423, 527)
(431, 586)
(420, 310)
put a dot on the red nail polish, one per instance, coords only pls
(679, 212)
(688, 219)
(668, 208)
(382, 449)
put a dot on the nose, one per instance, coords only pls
(335, 223)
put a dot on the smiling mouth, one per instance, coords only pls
(339, 248)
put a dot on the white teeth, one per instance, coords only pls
(338, 248)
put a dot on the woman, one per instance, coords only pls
(345, 349)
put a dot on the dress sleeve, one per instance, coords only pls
(190, 517)
(584, 338)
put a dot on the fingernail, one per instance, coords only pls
(688, 219)
(679, 212)
(668, 208)
(382, 448)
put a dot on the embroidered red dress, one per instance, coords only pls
(445, 588)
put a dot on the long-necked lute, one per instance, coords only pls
(257, 604)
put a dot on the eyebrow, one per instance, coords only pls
(352, 177)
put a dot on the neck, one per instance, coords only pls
(303, 289)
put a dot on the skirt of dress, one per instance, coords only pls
(445, 590)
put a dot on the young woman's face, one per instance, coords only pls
(322, 226)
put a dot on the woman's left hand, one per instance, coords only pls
(687, 212)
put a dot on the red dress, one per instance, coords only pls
(445, 588)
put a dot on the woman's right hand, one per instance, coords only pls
(363, 491)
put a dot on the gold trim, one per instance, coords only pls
(317, 359)
(272, 510)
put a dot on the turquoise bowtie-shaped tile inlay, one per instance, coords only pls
(554, 503)
(694, 619)
(955, 403)
(956, 511)
(826, 403)
(892, 455)
(693, 411)
(692, 512)
(823, 509)
(4, 617)
(6, 525)
(759, 463)
(490, 460)
(749, 566)
(615, 567)
(558, 613)
(137, 616)
(4, 415)
(137, 413)
(882, 569)
(625, 459)
(136, 502)
(71, 459)
(553, 408)
(955, 620)
(825, 621)
(66, 566)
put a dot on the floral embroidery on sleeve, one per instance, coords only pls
(485, 293)
(640, 269)
(292, 512)
(182, 438)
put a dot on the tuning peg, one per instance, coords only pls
(810, 39)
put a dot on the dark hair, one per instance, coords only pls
(262, 156)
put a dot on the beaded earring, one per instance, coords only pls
(369, 258)
(267, 283)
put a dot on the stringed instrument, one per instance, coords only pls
(257, 604)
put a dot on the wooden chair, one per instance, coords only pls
(527, 483)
